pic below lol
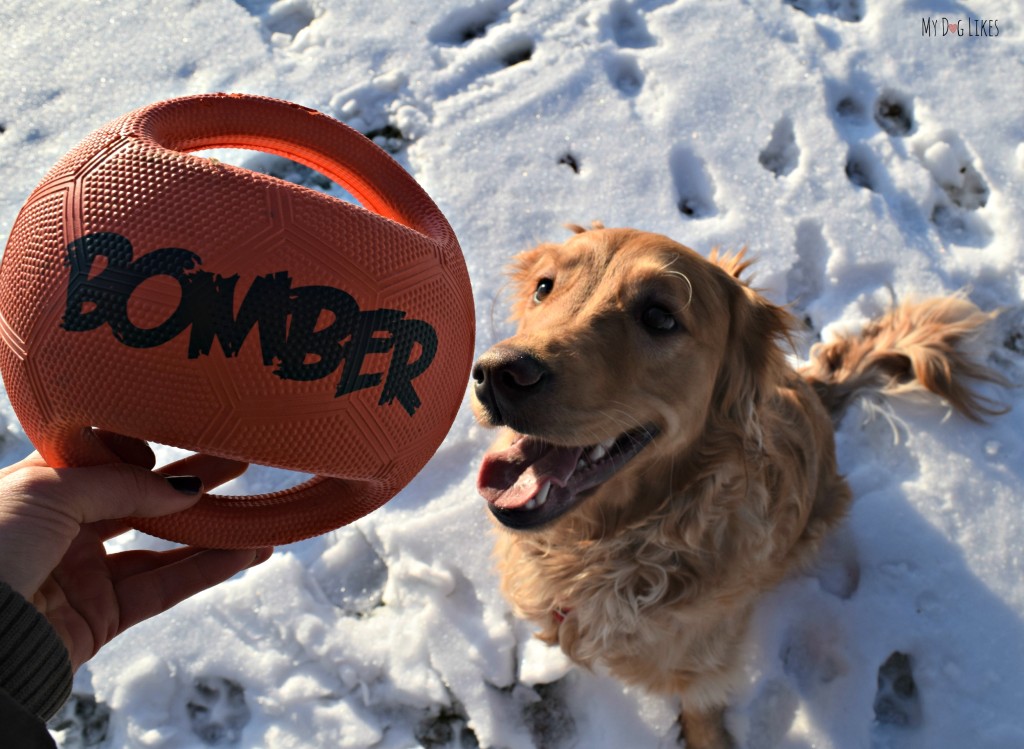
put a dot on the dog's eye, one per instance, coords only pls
(544, 287)
(658, 319)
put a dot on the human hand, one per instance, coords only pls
(53, 522)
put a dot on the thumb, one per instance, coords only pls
(42, 510)
(115, 491)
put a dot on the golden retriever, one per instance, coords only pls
(662, 464)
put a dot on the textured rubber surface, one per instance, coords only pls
(87, 344)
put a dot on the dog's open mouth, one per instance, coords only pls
(533, 482)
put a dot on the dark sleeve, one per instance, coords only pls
(20, 728)
(35, 670)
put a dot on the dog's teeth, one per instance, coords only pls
(542, 496)
(581, 464)
(608, 444)
(532, 504)
(597, 453)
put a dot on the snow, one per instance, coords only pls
(857, 157)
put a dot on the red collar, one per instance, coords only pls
(559, 614)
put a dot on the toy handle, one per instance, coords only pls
(383, 187)
(304, 135)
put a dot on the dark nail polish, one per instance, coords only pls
(186, 484)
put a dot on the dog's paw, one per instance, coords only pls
(217, 710)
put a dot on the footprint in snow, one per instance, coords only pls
(447, 729)
(217, 710)
(897, 702)
(862, 168)
(463, 25)
(468, 62)
(1012, 324)
(781, 155)
(694, 187)
(547, 717)
(805, 281)
(287, 17)
(351, 574)
(81, 723)
(960, 192)
(625, 74)
(894, 113)
(628, 27)
(845, 10)
(851, 109)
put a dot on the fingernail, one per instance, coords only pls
(186, 484)
(261, 556)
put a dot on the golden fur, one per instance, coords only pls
(655, 573)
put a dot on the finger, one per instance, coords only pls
(179, 575)
(128, 449)
(213, 471)
(126, 564)
(32, 460)
(118, 447)
(106, 492)
(108, 529)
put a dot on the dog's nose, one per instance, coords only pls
(504, 376)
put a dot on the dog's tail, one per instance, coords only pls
(928, 345)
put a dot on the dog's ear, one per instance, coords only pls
(754, 358)
(577, 229)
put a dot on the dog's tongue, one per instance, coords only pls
(512, 477)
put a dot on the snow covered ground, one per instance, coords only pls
(859, 147)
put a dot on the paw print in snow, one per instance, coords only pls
(628, 27)
(351, 574)
(861, 167)
(624, 73)
(285, 17)
(694, 187)
(463, 25)
(448, 729)
(960, 189)
(781, 155)
(844, 10)
(894, 113)
(950, 165)
(81, 723)
(547, 716)
(217, 711)
(897, 702)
